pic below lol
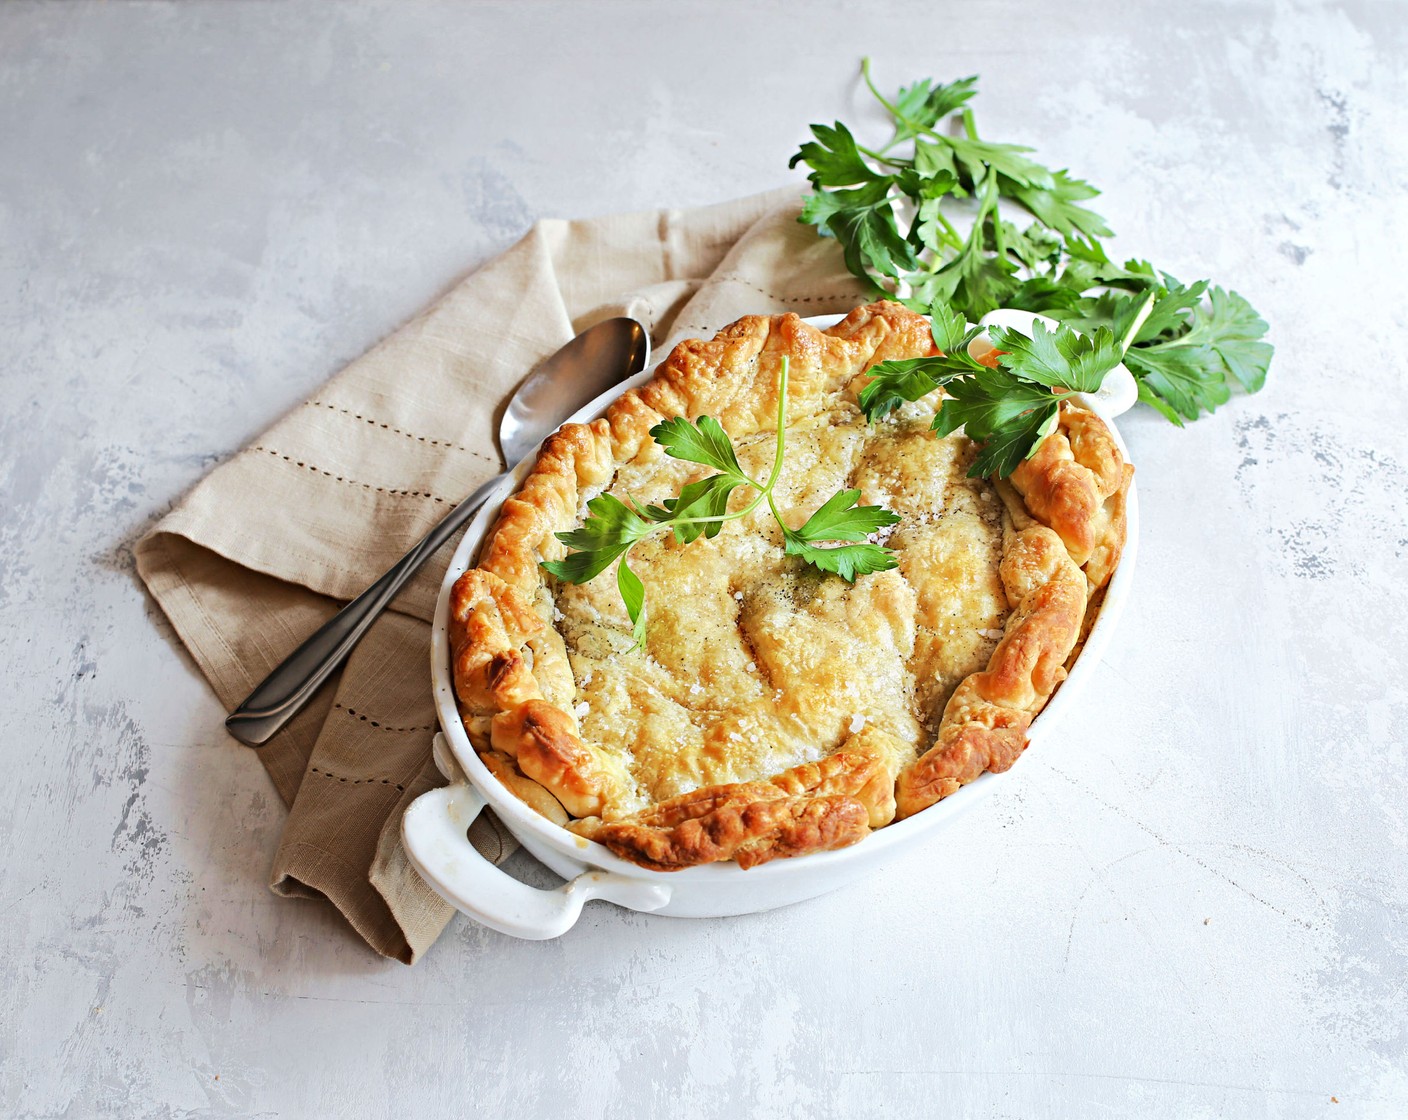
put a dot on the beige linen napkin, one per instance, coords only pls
(262, 551)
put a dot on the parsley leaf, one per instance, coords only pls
(579, 567)
(1035, 247)
(871, 240)
(834, 158)
(1114, 310)
(1061, 359)
(1010, 409)
(707, 498)
(633, 596)
(974, 281)
(1235, 331)
(840, 519)
(1007, 414)
(920, 107)
(894, 382)
(1043, 295)
(703, 441)
(979, 157)
(989, 401)
(951, 332)
(611, 529)
(1173, 306)
(1004, 451)
(1193, 338)
(898, 380)
(1185, 378)
(1055, 205)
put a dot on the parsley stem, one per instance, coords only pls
(776, 513)
(880, 157)
(781, 425)
(952, 238)
(1129, 336)
(764, 489)
(781, 437)
(986, 207)
(865, 73)
(953, 233)
(970, 128)
(914, 126)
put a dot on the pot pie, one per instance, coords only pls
(775, 710)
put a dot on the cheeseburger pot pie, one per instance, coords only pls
(770, 709)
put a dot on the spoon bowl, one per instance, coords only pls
(597, 359)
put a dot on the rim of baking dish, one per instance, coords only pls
(520, 819)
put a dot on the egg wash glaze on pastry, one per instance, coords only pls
(776, 710)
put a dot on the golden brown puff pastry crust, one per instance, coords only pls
(776, 712)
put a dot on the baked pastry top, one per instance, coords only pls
(776, 710)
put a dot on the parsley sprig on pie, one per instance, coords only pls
(701, 508)
(1009, 405)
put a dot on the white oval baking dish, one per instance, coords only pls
(434, 826)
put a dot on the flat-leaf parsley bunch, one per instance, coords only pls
(958, 248)
(833, 539)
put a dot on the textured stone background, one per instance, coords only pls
(1192, 905)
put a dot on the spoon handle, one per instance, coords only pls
(283, 692)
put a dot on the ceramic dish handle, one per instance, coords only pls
(433, 830)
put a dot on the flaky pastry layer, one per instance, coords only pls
(776, 711)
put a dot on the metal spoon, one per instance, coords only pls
(598, 358)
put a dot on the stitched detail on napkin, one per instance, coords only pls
(381, 726)
(401, 431)
(662, 231)
(787, 299)
(349, 481)
(356, 781)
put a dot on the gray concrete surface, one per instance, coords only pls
(1194, 907)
